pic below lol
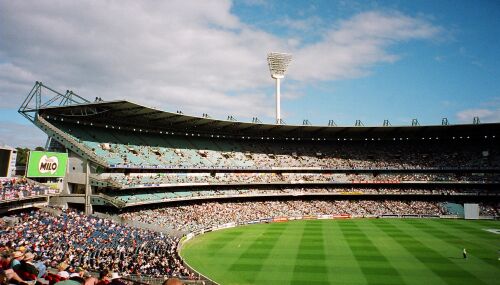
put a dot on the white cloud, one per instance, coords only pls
(488, 112)
(350, 49)
(195, 56)
(485, 115)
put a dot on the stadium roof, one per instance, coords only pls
(125, 113)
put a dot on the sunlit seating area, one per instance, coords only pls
(142, 149)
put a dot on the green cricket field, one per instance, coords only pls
(356, 251)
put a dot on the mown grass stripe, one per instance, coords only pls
(348, 259)
(482, 252)
(279, 264)
(313, 268)
(411, 269)
(476, 229)
(344, 267)
(374, 265)
(454, 236)
(250, 262)
(442, 267)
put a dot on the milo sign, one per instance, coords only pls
(47, 164)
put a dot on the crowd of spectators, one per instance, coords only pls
(162, 179)
(73, 240)
(491, 210)
(155, 196)
(18, 188)
(181, 152)
(208, 214)
(423, 177)
(220, 178)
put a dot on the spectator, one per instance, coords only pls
(61, 270)
(116, 279)
(7, 275)
(17, 256)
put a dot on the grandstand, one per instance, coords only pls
(141, 162)
(133, 155)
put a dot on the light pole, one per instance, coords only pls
(278, 63)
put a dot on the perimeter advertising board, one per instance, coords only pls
(47, 164)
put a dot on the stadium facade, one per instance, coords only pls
(125, 155)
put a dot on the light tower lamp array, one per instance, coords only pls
(278, 63)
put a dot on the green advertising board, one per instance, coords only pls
(47, 164)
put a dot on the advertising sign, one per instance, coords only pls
(47, 164)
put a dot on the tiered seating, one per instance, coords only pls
(92, 243)
(140, 149)
(162, 179)
(154, 196)
(174, 164)
(454, 209)
(16, 188)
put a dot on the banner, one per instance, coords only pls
(280, 219)
(47, 164)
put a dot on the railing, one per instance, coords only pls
(115, 202)
(307, 168)
(107, 182)
(25, 198)
(36, 190)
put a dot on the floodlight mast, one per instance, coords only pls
(278, 63)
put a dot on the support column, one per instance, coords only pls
(278, 107)
(88, 190)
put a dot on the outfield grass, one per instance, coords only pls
(359, 251)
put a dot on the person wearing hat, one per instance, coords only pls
(88, 279)
(115, 279)
(17, 256)
(38, 263)
(27, 270)
(28, 257)
(61, 270)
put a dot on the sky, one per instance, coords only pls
(352, 60)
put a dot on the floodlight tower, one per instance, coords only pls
(278, 63)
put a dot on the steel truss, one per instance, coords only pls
(42, 96)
